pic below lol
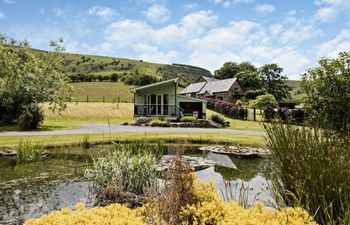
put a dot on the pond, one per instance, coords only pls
(31, 189)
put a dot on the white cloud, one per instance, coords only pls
(265, 8)
(332, 47)
(9, 1)
(127, 32)
(276, 29)
(300, 33)
(153, 54)
(59, 12)
(2, 15)
(103, 12)
(157, 14)
(228, 3)
(191, 6)
(329, 10)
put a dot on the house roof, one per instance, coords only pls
(208, 79)
(193, 88)
(190, 98)
(218, 86)
(154, 84)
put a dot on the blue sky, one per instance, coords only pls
(206, 33)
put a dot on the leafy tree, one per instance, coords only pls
(246, 72)
(263, 101)
(274, 82)
(328, 93)
(28, 78)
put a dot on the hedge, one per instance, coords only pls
(227, 109)
(296, 116)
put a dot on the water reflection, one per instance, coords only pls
(31, 189)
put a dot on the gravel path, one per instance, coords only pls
(91, 128)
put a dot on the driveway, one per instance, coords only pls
(92, 128)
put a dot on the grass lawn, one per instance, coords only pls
(96, 91)
(208, 138)
(103, 112)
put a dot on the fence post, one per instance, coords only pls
(254, 114)
(246, 117)
(103, 99)
(87, 98)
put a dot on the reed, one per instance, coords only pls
(26, 151)
(312, 170)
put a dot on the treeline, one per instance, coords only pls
(81, 77)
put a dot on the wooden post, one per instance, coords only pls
(87, 98)
(246, 117)
(254, 114)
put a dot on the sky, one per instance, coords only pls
(205, 33)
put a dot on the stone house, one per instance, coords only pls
(228, 90)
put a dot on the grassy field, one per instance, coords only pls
(179, 138)
(97, 90)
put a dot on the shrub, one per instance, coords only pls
(157, 123)
(227, 109)
(208, 209)
(263, 101)
(31, 117)
(188, 119)
(313, 169)
(124, 173)
(239, 102)
(218, 119)
(143, 120)
(294, 116)
(252, 94)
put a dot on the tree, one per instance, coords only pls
(274, 82)
(28, 79)
(263, 101)
(328, 93)
(246, 72)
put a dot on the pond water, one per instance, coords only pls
(29, 190)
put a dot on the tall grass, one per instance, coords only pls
(124, 173)
(312, 171)
(26, 151)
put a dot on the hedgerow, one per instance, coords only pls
(227, 109)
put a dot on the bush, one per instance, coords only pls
(183, 200)
(143, 120)
(294, 116)
(124, 173)
(188, 119)
(227, 109)
(31, 117)
(252, 94)
(218, 119)
(313, 169)
(263, 101)
(239, 103)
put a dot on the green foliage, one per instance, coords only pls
(246, 72)
(239, 102)
(328, 93)
(274, 82)
(26, 151)
(27, 78)
(31, 116)
(137, 78)
(312, 170)
(128, 168)
(218, 119)
(186, 74)
(188, 119)
(263, 101)
(252, 94)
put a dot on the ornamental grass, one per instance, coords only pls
(312, 171)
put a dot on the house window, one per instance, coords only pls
(220, 98)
